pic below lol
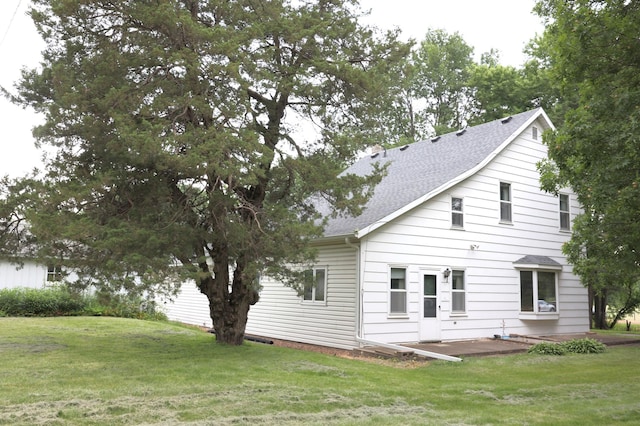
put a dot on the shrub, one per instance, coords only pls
(576, 346)
(124, 306)
(584, 346)
(59, 300)
(546, 348)
(54, 301)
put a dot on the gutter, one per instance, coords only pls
(359, 324)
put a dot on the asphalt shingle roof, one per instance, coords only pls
(537, 260)
(423, 167)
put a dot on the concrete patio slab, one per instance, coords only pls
(515, 344)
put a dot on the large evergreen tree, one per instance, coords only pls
(595, 57)
(179, 148)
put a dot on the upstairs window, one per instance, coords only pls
(457, 219)
(398, 291)
(505, 202)
(315, 285)
(565, 214)
(534, 133)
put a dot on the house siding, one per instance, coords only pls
(30, 275)
(423, 238)
(190, 306)
(281, 314)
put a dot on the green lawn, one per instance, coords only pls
(108, 371)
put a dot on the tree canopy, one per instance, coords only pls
(179, 144)
(595, 59)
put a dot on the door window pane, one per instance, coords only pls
(429, 285)
(429, 307)
(430, 296)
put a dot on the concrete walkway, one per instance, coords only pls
(515, 344)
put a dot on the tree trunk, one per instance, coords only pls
(229, 310)
(600, 312)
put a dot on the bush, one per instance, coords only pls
(546, 348)
(29, 302)
(124, 306)
(584, 346)
(576, 346)
(59, 301)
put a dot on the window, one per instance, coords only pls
(456, 212)
(534, 133)
(315, 285)
(505, 202)
(565, 216)
(538, 291)
(458, 292)
(54, 273)
(398, 291)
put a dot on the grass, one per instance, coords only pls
(115, 371)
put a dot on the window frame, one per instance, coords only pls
(535, 293)
(456, 291)
(403, 292)
(313, 294)
(54, 274)
(564, 213)
(460, 213)
(508, 202)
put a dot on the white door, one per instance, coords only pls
(430, 316)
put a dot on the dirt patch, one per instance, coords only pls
(342, 353)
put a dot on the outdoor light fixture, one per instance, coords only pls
(446, 274)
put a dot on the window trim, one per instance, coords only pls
(404, 291)
(457, 291)
(564, 212)
(535, 314)
(457, 212)
(508, 202)
(313, 300)
(54, 274)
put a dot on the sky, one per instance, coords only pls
(505, 25)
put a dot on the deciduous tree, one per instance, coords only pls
(595, 57)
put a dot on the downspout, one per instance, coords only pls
(359, 320)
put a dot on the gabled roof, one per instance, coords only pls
(424, 169)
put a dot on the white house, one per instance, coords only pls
(29, 275)
(457, 242)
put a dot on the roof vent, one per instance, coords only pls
(460, 132)
(506, 120)
(436, 139)
(404, 147)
